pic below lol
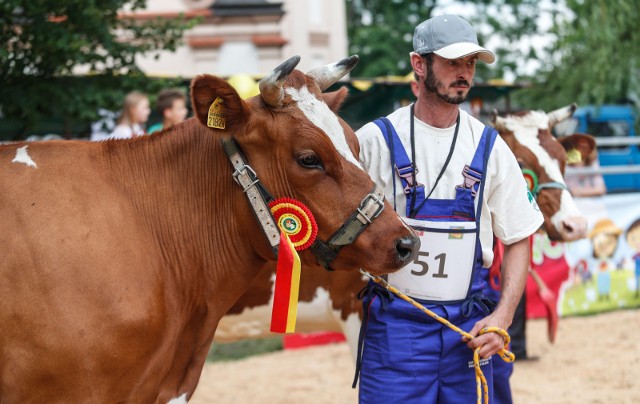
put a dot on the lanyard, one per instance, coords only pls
(413, 209)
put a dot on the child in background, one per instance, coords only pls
(172, 107)
(633, 239)
(135, 113)
(604, 240)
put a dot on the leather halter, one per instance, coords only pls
(550, 185)
(259, 198)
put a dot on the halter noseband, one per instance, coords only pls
(370, 208)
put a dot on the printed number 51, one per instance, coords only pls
(425, 266)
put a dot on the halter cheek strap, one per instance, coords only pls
(551, 185)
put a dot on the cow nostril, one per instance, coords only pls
(567, 226)
(407, 248)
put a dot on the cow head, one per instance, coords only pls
(542, 158)
(301, 149)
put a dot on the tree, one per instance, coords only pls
(381, 32)
(595, 60)
(44, 42)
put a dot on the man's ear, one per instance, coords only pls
(418, 64)
(335, 99)
(217, 105)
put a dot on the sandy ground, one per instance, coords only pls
(594, 360)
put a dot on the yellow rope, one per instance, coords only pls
(482, 388)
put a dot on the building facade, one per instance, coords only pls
(249, 36)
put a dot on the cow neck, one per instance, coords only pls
(174, 183)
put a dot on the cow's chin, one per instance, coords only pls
(374, 266)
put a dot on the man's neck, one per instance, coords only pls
(436, 112)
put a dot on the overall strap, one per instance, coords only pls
(400, 161)
(386, 128)
(474, 172)
(479, 163)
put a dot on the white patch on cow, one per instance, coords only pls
(22, 156)
(255, 322)
(351, 331)
(318, 112)
(525, 129)
(179, 400)
(568, 209)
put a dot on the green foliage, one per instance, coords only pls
(381, 32)
(595, 59)
(243, 349)
(44, 41)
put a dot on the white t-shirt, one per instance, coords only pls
(507, 209)
(126, 131)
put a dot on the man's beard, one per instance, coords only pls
(431, 85)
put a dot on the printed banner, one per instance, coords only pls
(596, 274)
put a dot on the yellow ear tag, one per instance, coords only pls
(574, 156)
(215, 118)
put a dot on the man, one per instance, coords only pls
(457, 184)
(172, 108)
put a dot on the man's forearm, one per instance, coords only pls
(515, 267)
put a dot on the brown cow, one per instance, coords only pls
(119, 258)
(329, 302)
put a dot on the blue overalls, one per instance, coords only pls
(404, 355)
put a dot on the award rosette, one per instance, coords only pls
(296, 221)
(298, 230)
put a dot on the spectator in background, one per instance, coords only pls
(172, 107)
(135, 113)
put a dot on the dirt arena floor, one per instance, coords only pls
(595, 359)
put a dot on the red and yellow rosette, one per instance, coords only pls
(296, 220)
(298, 230)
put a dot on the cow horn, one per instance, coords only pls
(327, 75)
(493, 116)
(561, 114)
(498, 122)
(271, 84)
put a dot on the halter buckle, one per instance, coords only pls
(371, 207)
(245, 170)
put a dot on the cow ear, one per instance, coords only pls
(335, 99)
(578, 142)
(217, 105)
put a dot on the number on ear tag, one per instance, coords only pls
(215, 118)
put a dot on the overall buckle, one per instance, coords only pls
(471, 178)
(406, 173)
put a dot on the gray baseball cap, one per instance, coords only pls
(450, 37)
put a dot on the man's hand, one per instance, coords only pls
(490, 342)
(515, 266)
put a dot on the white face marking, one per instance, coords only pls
(22, 156)
(568, 209)
(525, 129)
(321, 116)
(179, 400)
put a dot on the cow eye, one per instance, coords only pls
(310, 161)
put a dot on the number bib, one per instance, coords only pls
(443, 269)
